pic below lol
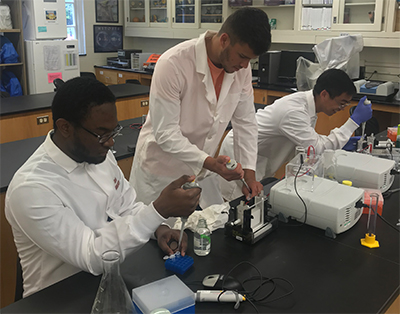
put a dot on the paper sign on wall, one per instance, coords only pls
(52, 76)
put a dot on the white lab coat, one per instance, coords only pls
(287, 123)
(58, 210)
(186, 122)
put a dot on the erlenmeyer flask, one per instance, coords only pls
(112, 295)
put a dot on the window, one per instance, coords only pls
(76, 23)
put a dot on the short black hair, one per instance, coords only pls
(249, 26)
(335, 82)
(76, 97)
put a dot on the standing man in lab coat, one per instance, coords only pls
(70, 202)
(290, 122)
(198, 86)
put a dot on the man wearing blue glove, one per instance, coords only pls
(290, 122)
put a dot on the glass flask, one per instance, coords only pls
(112, 295)
(202, 238)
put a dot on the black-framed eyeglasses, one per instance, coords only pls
(105, 137)
(342, 104)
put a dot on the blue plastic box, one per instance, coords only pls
(179, 264)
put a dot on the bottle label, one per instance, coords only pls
(205, 237)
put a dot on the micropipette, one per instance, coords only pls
(231, 165)
(183, 219)
(361, 140)
(188, 185)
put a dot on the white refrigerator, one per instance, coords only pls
(44, 19)
(48, 60)
(49, 55)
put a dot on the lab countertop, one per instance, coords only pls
(121, 69)
(329, 275)
(26, 103)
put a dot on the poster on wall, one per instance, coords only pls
(106, 11)
(107, 38)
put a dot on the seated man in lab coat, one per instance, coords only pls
(197, 87)
(290, 122)
(70, 202)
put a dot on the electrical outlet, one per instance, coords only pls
(144, 103)
(42, 120)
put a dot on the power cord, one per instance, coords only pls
(371, 75)
(252, 296)
(362, 205)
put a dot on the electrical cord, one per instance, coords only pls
(297, 193)
(390, 192)
(388, 223)
(252, 295)
(379, 215)
(371, 75)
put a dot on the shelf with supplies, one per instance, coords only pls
(15, 36)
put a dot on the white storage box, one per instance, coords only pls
(169, 293)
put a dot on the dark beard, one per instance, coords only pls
(82, 154)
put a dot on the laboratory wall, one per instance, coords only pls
(91, 59)
(385, 61)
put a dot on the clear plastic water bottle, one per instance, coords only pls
(202, 238)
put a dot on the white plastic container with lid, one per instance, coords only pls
(168, 293)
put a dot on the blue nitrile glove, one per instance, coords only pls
(351, 145)
(362, 112)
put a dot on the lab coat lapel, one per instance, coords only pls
(203, 69)
(229, 78)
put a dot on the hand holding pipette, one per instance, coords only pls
(231, 165)
(188, 185)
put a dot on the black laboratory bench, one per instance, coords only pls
(19, 116)
(26, 103)
(329, 275)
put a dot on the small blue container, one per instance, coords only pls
(179, 264)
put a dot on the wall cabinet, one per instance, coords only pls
(15, 35)
(357, 15)
(377, 20)
(175, 18)
(154, 13)
(185, 13)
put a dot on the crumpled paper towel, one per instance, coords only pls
(215, 215)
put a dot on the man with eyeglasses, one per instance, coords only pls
(70, 202)
(290, 122)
